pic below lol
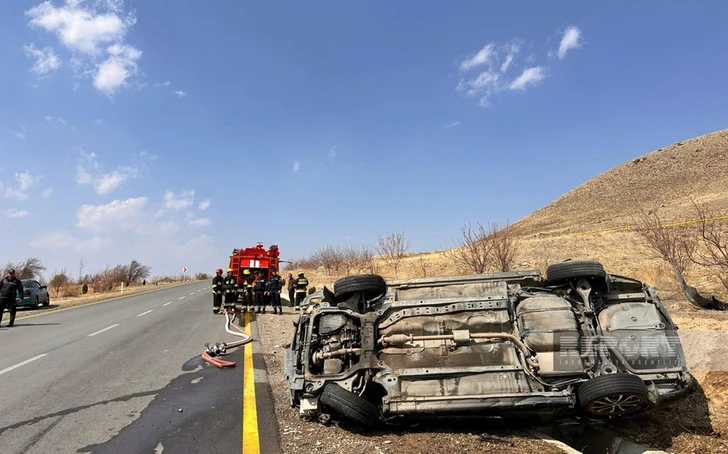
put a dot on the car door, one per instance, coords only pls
(42, 292)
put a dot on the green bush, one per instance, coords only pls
(84, 289)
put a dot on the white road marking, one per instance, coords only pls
(192, 293)
(181, 298)
(197, 380)
(167, 304)
(22, 363)
(145, 313)
(102, 330)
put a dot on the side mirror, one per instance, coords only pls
(43, 287)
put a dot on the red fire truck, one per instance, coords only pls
(254, 259)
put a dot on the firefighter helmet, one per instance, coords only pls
(219, 270)
(300, 272)
(230, 270)
(246, 271)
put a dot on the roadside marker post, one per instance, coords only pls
(184, 274)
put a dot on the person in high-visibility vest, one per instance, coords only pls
(230, 286)
(217, 288)
(301, 286)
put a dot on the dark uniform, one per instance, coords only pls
(230, 287)
(217, 288)
(10, 286)
(301, 285)
(260, 297)
(274, 290)
(248, 293)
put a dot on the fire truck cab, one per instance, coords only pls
(255, 259)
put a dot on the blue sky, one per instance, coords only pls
(173, 134)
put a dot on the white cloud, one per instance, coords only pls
(179, 201)
(83, 26)
(332, 152)
(296, 166)
(98, 122)
(496, 74)
(94, 32)
(570, 40)
(205, 204)
(482, 57)
(199, 222)
(14, 213)
(46, 60)
(529, 76)
(19, 135)
(26, 181)
(452, 125)
(47, 193)
(126, 214)
(60, 120)
(60, 239)
(180, 93)
(114, 72)
(103, 183)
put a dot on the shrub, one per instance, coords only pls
(84, 289)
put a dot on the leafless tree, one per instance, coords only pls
(392, 248)
(675, 246)
(81, 266)
(329, 257)
(59, 279)
(422, 265)
(351, 258)
(476, 247)
(133, 272)
(505, 247)
(366, 259)
(714, 239)
(31, 268)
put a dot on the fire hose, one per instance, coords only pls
(212, 353)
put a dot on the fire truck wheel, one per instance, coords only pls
(372, 285)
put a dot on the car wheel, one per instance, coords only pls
(614, 395)
(37, 302)
(575, 269)
(47, 301)
(372, 285)
(349, 405)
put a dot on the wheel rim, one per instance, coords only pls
(616, 404)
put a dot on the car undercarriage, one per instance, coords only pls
(578, 343)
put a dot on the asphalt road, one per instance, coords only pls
(126, 376)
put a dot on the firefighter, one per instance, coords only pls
(301, 286)
(248, 293)
(259, 289)
(230, 285)
(274, 292)
(217, 287)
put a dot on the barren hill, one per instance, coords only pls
(665, 179)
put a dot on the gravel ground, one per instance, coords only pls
(301, 436)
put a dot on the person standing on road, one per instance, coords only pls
(274, 290)
(10, 286)
(259, 288)
(301, 286)
(291, 289)
(230, 286)
(248, 293)
(217, 288)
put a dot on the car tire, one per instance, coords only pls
(575, 269)
(37, 302)
(372, 285)
(350, 406)
(614, 395)
(47, 301)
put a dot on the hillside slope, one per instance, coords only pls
(665, 179)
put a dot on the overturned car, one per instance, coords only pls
(578, 343)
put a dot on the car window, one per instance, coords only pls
(27, 284)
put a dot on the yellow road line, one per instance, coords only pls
(251, 443)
